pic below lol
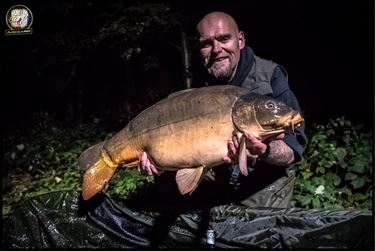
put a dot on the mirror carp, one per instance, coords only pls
(188, 132)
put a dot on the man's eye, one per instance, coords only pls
(224, 39)
(204, 44)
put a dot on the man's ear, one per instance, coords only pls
(241, 39)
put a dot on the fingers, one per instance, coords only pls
(232, 149)
(227, 160)
(250, 155)
(142, 161)
(210, 175)
(256, 146)
(233, 146)
(153, 169)
(280, 136)
(252, 138)
(146, 165)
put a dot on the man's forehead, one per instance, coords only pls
(214, 28)
(216, 25)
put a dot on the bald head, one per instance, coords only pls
(217, 18)
(220, 45)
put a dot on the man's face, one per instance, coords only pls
(220, 44)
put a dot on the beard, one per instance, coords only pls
(220, 72)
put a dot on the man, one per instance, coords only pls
(228, 61)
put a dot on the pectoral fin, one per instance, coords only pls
(188, 179)
(242, 157)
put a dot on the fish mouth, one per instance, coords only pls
(285, 124)
(293, 121)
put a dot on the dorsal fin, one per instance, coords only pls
(180, 92)
(188, 179)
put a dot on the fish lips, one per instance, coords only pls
(286, 124)
(293, 121)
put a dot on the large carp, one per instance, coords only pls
(188, 132)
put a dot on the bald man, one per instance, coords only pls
(220, 44)
(270, 181)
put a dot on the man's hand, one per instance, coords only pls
(146, 165)
(255, 147)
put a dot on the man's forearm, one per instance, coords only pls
(279, 154)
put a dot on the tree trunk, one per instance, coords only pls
(186, 59)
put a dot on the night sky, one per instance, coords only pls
(325, 46)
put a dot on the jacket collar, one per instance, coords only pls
(244, 66)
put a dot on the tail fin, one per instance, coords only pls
(99, 170)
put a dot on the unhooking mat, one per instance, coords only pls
(64, 220)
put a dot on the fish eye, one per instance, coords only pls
(270, 105)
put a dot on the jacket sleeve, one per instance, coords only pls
(281, 91)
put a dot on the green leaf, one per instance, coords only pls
(359, 166)
(351, 176)
(337, 206)
(343, 164)
(367, 204)
(336, 180)
(20, 147)
(306, 175)
(346, 191)
(319, 180)
(330, 132)
(340, 153)
(358, 183)
(329, 190)
(320, 169)
(360, 196)
(316, 203)
(304, 200)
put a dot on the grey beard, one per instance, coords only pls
(221, 76)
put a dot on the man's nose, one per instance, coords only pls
(216, 47)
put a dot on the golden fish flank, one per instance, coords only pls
(190, 131)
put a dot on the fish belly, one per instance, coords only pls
(197, 142)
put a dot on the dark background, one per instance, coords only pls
(326, 47)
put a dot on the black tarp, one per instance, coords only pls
(64, 220)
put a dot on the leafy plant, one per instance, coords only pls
(126, 182)
(44, 159)
(336, 168)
